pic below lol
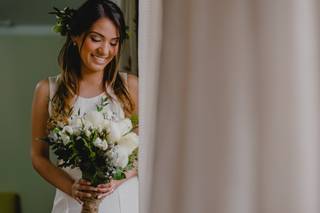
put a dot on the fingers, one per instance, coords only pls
(86, 188)
(106, 189)
(103, 188)
(81, 194)
(84, 182)
(81, 189)
(79, 201)
(105, 194)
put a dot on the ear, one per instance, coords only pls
(76, 40)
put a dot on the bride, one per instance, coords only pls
(89, 70)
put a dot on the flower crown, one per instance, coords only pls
(64, 18)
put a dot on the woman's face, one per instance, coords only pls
(99, 47)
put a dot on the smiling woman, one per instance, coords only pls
(89, 74)
(99, 46)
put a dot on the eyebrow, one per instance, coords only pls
(103, 35)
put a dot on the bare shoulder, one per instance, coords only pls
(42, 88)
(132, 80)
(41, 94)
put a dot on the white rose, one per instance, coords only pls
(118, 128)
(76, 130)
(105, 124)
(87, 132)
(65, 139)
(95, 117)
(121, 157)
(129, 141)
(67, 129)
(76, 122)
(101, 144)
(87, 124)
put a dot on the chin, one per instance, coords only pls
(97, 68)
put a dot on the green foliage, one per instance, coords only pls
(135, 120)
(104, 102)
(119, 174)
(63, 17)
(133, 160)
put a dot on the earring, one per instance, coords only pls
(74, 43)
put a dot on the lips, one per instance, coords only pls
(99, 59)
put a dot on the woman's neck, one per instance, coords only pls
(92, 78)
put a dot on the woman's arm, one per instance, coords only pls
(133, 88)
(40, 150)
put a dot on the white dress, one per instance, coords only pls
(125, 198)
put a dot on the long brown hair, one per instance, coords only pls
(70, 61)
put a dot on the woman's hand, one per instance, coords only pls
(108, 188)
(81, 189)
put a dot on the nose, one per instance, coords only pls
(104, 50)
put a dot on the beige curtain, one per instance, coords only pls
(230, 107)
(150, 32)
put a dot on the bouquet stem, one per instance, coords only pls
(91, 204)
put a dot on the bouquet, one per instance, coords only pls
(103, 148)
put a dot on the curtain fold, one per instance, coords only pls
(237, 106)
(150, 35)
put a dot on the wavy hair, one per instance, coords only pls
(70, 62)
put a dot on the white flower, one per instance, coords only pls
(106, 124)
(87, 124)
(129, 142)
(87, 132)
(67, 129)
(101, 144)
(120, 157)
(119, 128)
(95, 117)
(75, 122)
(53, 136)
(65, 139)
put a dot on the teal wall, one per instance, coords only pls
(24, 60)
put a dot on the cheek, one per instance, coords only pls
(89, 47)
(115, 50)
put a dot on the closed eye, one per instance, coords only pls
(113, 44)
(95, 38)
